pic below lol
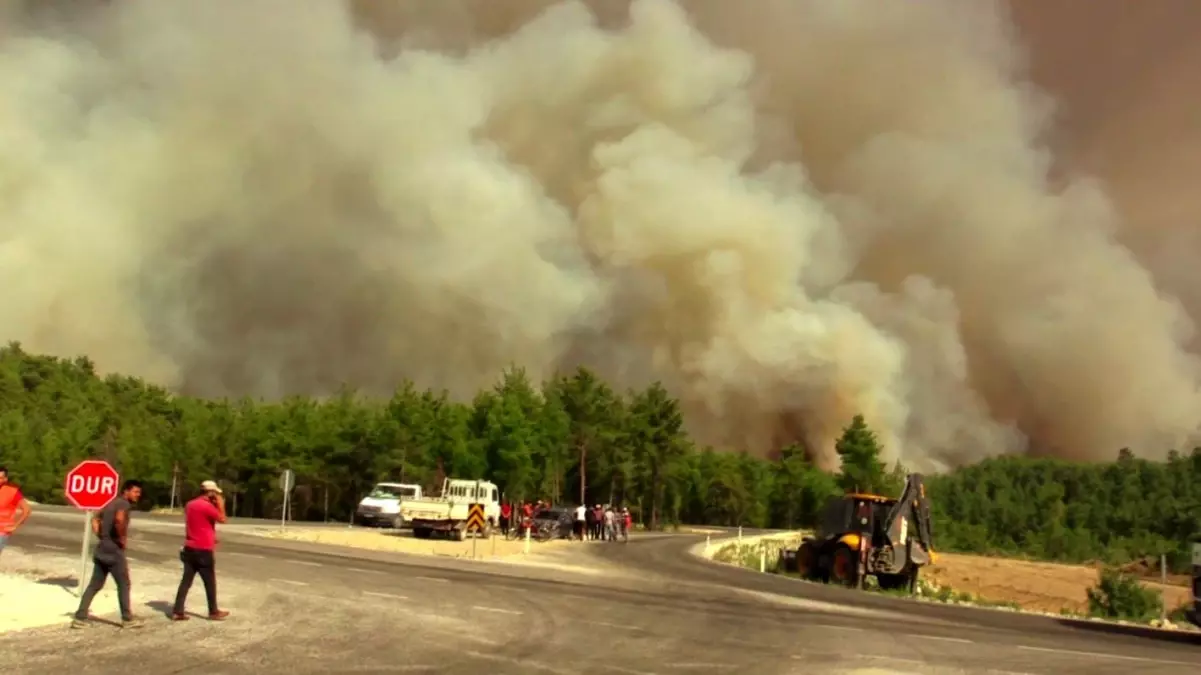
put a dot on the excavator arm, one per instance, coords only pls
(909, 526)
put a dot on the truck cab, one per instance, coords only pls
(383, 505)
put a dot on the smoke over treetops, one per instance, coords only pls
(788, 212)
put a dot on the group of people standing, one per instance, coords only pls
(110, 525)
(603, 523)
(596, 523)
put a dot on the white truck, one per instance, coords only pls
(447, 513)
(382, 506)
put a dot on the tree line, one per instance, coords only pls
(569, 439)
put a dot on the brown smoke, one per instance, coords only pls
(788, 212)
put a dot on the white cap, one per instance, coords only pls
(210, 486)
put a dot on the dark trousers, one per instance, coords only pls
(116, 566)
(196, 562)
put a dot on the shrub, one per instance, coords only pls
(1118, 596)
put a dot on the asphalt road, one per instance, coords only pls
(338, 610)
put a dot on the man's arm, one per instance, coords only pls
(221, 509)
(121, 523)
(96, 520)
(24, 509)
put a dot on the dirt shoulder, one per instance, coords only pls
(404, 542)
(1035, 586)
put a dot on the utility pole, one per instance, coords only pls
(583, 472)
(174, 483)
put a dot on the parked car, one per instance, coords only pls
(554, 523)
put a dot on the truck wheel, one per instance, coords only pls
(460, 534)
(806, 561)
(421, 532)
(398, 522)
(845, 570)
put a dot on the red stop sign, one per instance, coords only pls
(92, 484)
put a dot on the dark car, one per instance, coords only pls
(554, 523)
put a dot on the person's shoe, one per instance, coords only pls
(179, 616)
(79, 623)
(218, 615)
(132, 622)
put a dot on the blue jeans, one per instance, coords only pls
(3, 542)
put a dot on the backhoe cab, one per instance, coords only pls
(863, 534)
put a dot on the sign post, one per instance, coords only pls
(287, 480)
(89, 487)
(476, 522)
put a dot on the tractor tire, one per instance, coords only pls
(844, 568)
(806, 562)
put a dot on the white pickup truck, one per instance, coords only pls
(382, 506)
(447, 513)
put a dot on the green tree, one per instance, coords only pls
(862, 470)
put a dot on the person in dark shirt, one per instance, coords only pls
(201, 516)
(111, 526)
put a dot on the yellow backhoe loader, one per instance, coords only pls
(865, 534)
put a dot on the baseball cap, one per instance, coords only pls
(211, 486)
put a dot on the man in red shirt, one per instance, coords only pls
(13, 508)
(201, 516)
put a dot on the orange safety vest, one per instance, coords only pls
(10, 496)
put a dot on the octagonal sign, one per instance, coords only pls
(92, 484)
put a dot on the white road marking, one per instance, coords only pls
(606, 624)
(498, 610)
(626, 671)
(869, 657)
(306, 562)
(48, 547)
(438, 579)
(289, 581)
(940, 638)
(248, 555)
(360, 570)
(696, 666)
(391, 596)
(520, 662)
(1103, 655)
(850, 629)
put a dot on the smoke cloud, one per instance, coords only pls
(787, 212)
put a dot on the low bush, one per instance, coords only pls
(1121, 596)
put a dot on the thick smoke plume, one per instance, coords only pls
(789, 212)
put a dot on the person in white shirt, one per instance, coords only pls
(579, 521)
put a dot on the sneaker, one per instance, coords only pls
(179, 616)
(218, 615)
(132, 622)
(79, 623)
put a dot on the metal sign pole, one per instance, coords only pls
(83, 552)
(285, 484)
(475, 537)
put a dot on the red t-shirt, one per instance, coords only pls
(10, 497)
(200, 524)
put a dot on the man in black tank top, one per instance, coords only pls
(111, 526)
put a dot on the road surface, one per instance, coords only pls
(312, 609)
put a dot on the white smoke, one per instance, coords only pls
(788, 212)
